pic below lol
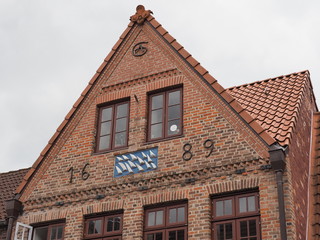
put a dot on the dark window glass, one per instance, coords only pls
(94, 227)
(40, 233)
(165, 114)
(113, 126)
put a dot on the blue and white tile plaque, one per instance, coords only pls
(136, 162)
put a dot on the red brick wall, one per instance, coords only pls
(205, 116)
(299, 160)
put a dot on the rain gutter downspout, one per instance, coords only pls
(13, 209)
(277, 160)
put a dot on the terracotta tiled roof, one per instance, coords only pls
(274, 103)
(315, 197)
(8, 183)
(184, 54)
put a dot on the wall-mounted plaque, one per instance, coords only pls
(136, 162)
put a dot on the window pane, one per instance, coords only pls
(120, 139)
(158, 236)
(181, 214)
(60, 232)
(251, 204)
(154, 236)
(243, 229)
(174, 127)
(174, 112)
(172, 235)
(106, 114)
(224, 231)
(151, 219)
(105, 128)
(159, 218)
(94, 227)
(157, 102)
(172, 215)
(121, 125)
(243, 204)
(220, 231)
(150, 236)
(110, 225)
(122, 110)
(104, 142)
(180, 235)
(40, 233)
(117, 221)
(53, 233)
(219, 208)
(156, 116)
(228, 207)
(156, 131)
(174, 97)
(228, 230)
(252, 228)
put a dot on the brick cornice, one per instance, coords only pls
(214, 172)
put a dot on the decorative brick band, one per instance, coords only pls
(103, 207)
(111, 96)
(228, 186)
(168, 179)
(165, 197)
(165, 82)
(47, 216)
(142, 80)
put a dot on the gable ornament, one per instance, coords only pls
(140, 15)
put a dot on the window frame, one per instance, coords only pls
(49, 226)
(258, 228)
(236, 216)
(166, 227)
(104, 221)
(113, 105)
(165, 115)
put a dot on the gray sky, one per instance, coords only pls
(50, 49)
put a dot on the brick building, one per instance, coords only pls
(155, 148)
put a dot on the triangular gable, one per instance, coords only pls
(144, 17)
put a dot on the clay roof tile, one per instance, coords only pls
(274, 102)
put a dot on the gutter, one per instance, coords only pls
(277, 160)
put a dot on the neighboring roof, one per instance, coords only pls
(274, 103)
(143, 16)
(9, 181)
(315, 197)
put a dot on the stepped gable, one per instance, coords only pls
(143, 16)
(9, 181)
(274, 103)
(315, 191)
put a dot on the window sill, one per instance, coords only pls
(110, 151)
(163, 139)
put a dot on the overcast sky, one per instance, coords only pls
(50, 49)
